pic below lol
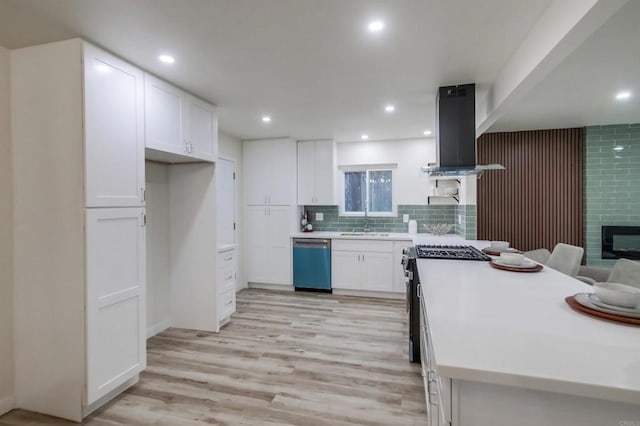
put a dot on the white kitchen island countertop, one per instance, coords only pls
(515, 329)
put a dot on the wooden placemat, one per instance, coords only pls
(571, 301)
(536, 268)
(492, 252)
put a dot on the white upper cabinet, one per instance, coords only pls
(316, 172)
(269, 167)
(201, 129)
(114, 131)
(178, 126)
(163, 116)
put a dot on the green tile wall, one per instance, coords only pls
(467, 228)
(423, 214)
(611, 184)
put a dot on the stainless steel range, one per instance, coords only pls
(450, 252)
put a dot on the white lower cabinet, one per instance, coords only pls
(362, 265)
(437, 390)
(226, 284)
(115, 306)
(269, 244)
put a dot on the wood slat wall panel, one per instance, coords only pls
(537, 201)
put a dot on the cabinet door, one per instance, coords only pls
(201, 127)
(115, 305)
(377, 271)
(281, 179)
(114, 131)
(346, 270)
(306, 172)
(257, 244)
(257, 171)
(325, 173)
(163, 109)
(279, 244)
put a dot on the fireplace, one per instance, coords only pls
(621, 242)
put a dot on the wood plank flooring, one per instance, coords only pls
(285, 359)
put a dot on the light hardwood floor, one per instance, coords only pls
(285, 359)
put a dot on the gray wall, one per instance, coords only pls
(6, 239)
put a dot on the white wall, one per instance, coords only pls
(157, 182)
(6, 240)
(411, 184)
(231, 148)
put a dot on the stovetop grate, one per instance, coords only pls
(424, 251)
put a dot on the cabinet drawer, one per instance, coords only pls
(226, 279)
(226, 304)
(226, 259)
(363, 246)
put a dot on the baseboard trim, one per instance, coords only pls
(7, 404)
(158, 328)
(368, 293)
(281, 287)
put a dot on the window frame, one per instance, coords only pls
(368, 168)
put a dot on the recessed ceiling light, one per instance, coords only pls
(389, 108)
(166, 59)
(427, 132)
(364, 137)
(266, 119)
(376, 26)
(623, 95)
(618, 148)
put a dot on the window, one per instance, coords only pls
(368, 187)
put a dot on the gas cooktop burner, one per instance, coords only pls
(450, 252)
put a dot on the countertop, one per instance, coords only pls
(515, 329)
(393, 236)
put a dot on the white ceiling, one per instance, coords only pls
(312, 65)
(581, 90)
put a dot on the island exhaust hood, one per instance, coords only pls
(456, 133)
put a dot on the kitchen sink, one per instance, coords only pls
(363, 234)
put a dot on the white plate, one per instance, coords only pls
(526, 264)
(593, 298)
(585, 300)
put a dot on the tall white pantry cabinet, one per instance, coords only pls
(78, 138)
(271, 211)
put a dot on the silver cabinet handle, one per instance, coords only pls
(419, 290)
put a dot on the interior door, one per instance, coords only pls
(226, 201)
(114, 131)
(115, 305)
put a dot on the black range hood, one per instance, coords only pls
(456, 133)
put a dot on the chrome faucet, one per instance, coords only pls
(365, 222)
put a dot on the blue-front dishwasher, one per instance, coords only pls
(312, 264)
